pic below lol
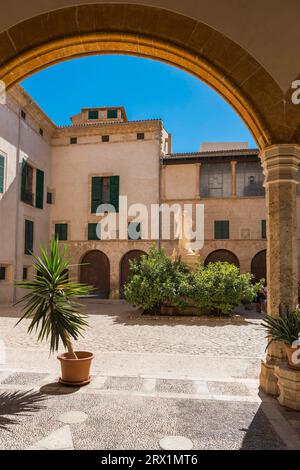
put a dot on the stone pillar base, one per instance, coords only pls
(268, 379)
(289, 386)
(114, 294)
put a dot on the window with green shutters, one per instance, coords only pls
(134, 231)
(92, 231)
(112, 114)
(2, 162)
(29, 227)
(61, 231)
(39, 194)
(93, 114)
(26, 183)
(114, 192)
(221, 229)
(263, 229)
(105, 190)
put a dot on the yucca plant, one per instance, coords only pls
(51, 303)
(285, 327)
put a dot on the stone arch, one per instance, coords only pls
(222, 255)
(95, 271)
(124, 265)
(259, 265)
(159, 34)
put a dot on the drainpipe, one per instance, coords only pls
(159, 184)
(18, 198)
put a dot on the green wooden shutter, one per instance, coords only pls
(92, 232)
(61, 231)
(2, 161)
(28, 237)
(39, 193)
(114, 192)
(23, 180)
(263, 229)
(221, 229)
(96, 196)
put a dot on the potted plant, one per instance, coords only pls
(286, 328)
(56, 315)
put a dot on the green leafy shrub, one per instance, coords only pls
(219, 287)
(156, 280)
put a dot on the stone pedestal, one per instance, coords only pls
(288, 381)
(281, 165)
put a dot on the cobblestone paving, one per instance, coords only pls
(119, 413)
(119, 327)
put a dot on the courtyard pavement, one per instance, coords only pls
(152, 377)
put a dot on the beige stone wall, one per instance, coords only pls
(20, 140)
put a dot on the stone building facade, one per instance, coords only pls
(53, 178)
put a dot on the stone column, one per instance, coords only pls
(233, 178)
(198, 180)
(280, 164)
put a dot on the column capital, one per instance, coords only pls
(281, 163)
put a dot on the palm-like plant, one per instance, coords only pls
(51, 302)
(285, 328)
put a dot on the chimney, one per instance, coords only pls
(169, 143)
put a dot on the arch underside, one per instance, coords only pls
(156, 34)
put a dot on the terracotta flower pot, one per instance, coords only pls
(293, 358)
(75, 371)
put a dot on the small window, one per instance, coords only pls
(264, 229)
(23, 115)
(112, 114)
(41, 132)
(2, 273)
(29, 227)
(73, 140)
(2, 173)
(221, 229)
(134, 231)
(140, 136)
(61, 231)
(25, 274)
(105, 138)
(93, 114)
(92, 231)
(49, 197)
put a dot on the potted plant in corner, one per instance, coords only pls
(56, 315)
(285, 328)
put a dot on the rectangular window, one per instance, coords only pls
(29, 227)
(39, 192)
(92, 231)
(105, 190)
(61, 231)
(49, 197)
(26, 183)
(105, 138)
(221, 229)
(264, 229)
(23, 115)
(134, 231)
(2, 273)
(73, 140)
(41, 132)
(249, 179)
(93, 114)
(140, 136)
(112, 114)
(215, 180)
(2, 163)
(25, 274)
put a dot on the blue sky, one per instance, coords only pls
(191, 110)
